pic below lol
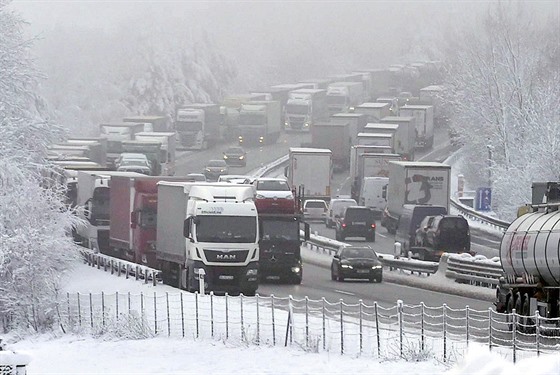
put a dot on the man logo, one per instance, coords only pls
(226, 256)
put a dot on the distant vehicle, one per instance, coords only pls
(135, 168)
(356, 262)
(235, 179)
(442, 234)
(214, 169)
(315, 209)
(336, 209)
(196, 177)
(235, 156)
(274, 195)
(357, 221)
(129, 158)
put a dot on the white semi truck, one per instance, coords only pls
(344, 96)
(208, 230)
(198, 125)
(312, 169)
(167, 149)
(259, 122)
(304, 108)
(422, 183)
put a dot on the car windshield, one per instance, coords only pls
(361, 253)
(315, 204)
(134, 162)
(273, 186)
(450, 223)
(234, 150)
(217, 163)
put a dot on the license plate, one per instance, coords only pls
(358, 223)
(273, 277)
(226, 277)
(362, 271)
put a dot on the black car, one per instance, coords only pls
(214, 169)
(444, 233)
(356, 262)
(356, 221)
(235, 156)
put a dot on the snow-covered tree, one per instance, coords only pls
(503, 86)
(34, 246)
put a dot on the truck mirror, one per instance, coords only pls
(307, 231)
(384, 192)
(133, 219)
(187, 228)
(286, 171)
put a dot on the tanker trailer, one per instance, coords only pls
(530, 256)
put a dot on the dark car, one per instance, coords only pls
(356, 262)
(214, 169)
(235, 156)
(409, 221)
(444, 233)
(356, 221)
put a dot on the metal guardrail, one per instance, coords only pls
(476, 270)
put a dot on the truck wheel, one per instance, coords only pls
(190, 280)
(296, 280)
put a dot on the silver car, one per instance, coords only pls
(315, 209)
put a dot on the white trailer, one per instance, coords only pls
(407, 137)
(376, 139)
(168, 155)
(403, 144)
(424, 115)
(374, 111)
(312, 169)
(304, 108)
(344, 96)
(356, 123)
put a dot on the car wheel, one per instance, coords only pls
(340, 277)
(342, 237)
(333, 277)
(371, 279)
(370, 238)
(337, 236)
(379, 278)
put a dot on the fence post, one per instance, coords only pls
(142, 308)
(212, 313)
(341, 326)
(400, 318)
(306, 322)
(155, 314)
(127, 270)
(168, 318)
(467, 322)
(258, 321)
(119, 269)
(91, 309)
(273, 322)
(444, 332)
(117, 305)
(324, 326)
(514, 333)
(182, 316)
(361, 325)
(289, 322)
(68, 303)
(537, 332)
(196, 309)
(227, 316)
(422, 336)
(103, 309)
(79, 311)
(490, 329)
(241, 311)
(137, 273)
(128, 299)
(377, 329)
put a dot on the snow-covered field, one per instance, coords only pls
(78, 354)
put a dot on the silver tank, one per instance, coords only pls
(531, 245)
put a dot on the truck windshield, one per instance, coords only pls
(336, 99)
(114, 147)
(297, 109)
(229, 229)
(147, 219)
(184, 126)
(280, 230)
(251, 119)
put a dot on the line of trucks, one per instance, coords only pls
(183, 227)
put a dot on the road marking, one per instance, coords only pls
(381, 235)
(344, 292)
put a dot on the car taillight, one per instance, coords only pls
(343, 225)
(373, 225)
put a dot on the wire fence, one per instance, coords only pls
(401, 330)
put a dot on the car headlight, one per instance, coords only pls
(208, 170)
(306, 125)
(222, 170)
(241, 157)
(376, 267)
(286, 123)
(346, 266)
(296, 269)
(258, 196)
(289, 196)
(252, 272)
(225, 157)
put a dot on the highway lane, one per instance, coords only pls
(317, 284)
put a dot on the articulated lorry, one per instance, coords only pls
(93, 195)
(374, 111)
(133, 213)
(433, 95)
(259, 123)
(403, 138)
(97, 148)
(344, 96)
(115, 134)
(406, 135)
(209, 229)
(152, 150)
(167, 150)
(198, 126)
(152, 123)
(424, 115)
(425, 183)
(334, 137)
(530, 257)
(312, 169)
(304, 108)
(229, 109)
(369, 164)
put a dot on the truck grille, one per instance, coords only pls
(231, 256)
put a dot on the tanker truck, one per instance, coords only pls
(530, 256)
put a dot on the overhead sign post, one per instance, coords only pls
(483, 199)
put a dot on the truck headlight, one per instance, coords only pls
(286, 124)
(252, 272)
(346, 266)
(376, 267)
(296, 269)
(306, 125)
(241, 157)
(225, 157)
